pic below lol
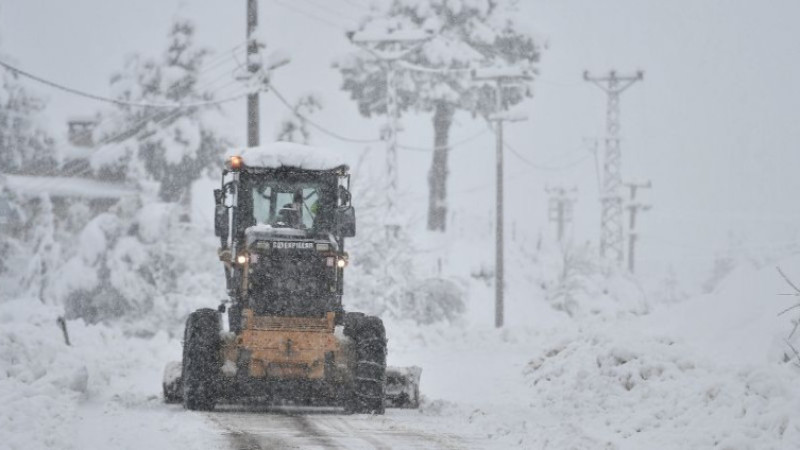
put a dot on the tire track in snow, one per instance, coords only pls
(257, 428)
(306, 426)
(344, 427)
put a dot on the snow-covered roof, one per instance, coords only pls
(488, 73)
(66, 187)
(289, 154)
(71, 152)
(391, 36)
(517, 115)
(83, 119)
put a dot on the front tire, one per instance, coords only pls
(367, 392)
(201, 360)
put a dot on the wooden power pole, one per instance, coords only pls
(501, 77)
(253, 66)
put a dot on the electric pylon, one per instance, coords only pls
(560, 208)
(611, 238)
(634, 208)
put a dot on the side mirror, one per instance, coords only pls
(344, 196)
(345, 221)
(221, 222)
(219, 197)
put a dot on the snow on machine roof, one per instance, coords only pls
(289, 154)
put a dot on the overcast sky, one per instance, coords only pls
(713, 124)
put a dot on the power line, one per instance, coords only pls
(117, 102)
(133, 131)
(221, 58)
(310, 15)
(358, 5)
(319, 127)
(340, 137)
(525, 160)
(441, 147)
(331, 10)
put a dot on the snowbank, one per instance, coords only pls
(738, 323)
(103, 391)
(41, 380)
(624, 389)
(708, 372)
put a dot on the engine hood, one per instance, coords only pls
(286, 238)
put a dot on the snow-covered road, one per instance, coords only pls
(268, 428)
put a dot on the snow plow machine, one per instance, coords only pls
(282, 214)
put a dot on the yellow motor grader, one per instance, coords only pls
(282, 214)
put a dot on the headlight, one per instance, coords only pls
(241, 259)
(342, 263)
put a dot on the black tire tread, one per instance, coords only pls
(201, 361)
(369, 370)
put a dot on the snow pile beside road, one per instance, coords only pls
(631, 390)
(41, 380)
(707, 372)
(739, 322)
(49, 391)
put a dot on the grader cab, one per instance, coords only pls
(283, 212)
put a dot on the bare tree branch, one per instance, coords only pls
(796, 324)
(789, 309)
(796, 289)
(797, 355)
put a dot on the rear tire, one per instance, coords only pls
(367, 392)
(201, 360)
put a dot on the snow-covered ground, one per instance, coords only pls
(589, 358)
(709, 372)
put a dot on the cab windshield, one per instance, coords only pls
(287, 205)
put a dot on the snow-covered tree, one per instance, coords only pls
(671, 290)
(171, 146)
(577, 267)
(11, 218)
(382, 267)
(45, 250)
(24, 145)
(467, 34)
(123, 262)
(723, 265)
(295, 128)
(384, 277)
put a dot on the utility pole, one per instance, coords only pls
(611, 238)
(560, 208)
(502, 78)
(253, 66)
(393, 47)
(633, 208)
